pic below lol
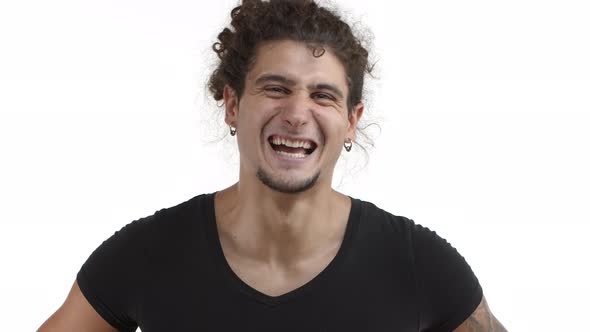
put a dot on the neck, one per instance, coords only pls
(279, 228)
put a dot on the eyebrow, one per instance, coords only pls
(282, 79)
(274, 78)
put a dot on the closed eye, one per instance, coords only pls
(275, 90)
(321, 95)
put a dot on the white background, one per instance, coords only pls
(484, 111)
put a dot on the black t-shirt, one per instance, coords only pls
(167, 272)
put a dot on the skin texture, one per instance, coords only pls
(291, 105)
(482, 320)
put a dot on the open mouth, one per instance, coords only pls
(294, 148)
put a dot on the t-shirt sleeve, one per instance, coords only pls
(110, 279)
(449, 291)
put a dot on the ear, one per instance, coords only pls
(230, 100)
(353, 119)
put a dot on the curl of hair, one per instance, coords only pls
(256, 21)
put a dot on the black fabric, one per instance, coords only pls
(167, 272)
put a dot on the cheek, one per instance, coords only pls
(332, 124)
(247, 115)
(253, 121)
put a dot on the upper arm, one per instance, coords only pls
(448, 290)
(481, 320)
(76, 314)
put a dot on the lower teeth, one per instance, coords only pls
(293, 155)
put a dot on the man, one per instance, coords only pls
(280, 250)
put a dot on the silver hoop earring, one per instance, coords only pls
(348, 145)
(232, 131)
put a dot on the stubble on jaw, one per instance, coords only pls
(288, 188)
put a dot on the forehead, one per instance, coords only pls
(296, 61)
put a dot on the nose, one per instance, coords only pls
(296, 112)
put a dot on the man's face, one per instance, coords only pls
(292, 118)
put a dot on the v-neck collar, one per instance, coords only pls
(237, 283)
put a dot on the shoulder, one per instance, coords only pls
(421, 237)
(374, 216)
(117, 273)
(448, 290)
(137, 241)
(167, 221)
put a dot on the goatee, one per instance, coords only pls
(287, 188)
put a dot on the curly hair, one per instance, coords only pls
(256, 21)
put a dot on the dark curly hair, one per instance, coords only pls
(256, 21)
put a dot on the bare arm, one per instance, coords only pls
(76, 314)
(481, 320)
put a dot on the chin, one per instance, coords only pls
(287, 187)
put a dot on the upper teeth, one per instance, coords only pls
(293, 144)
